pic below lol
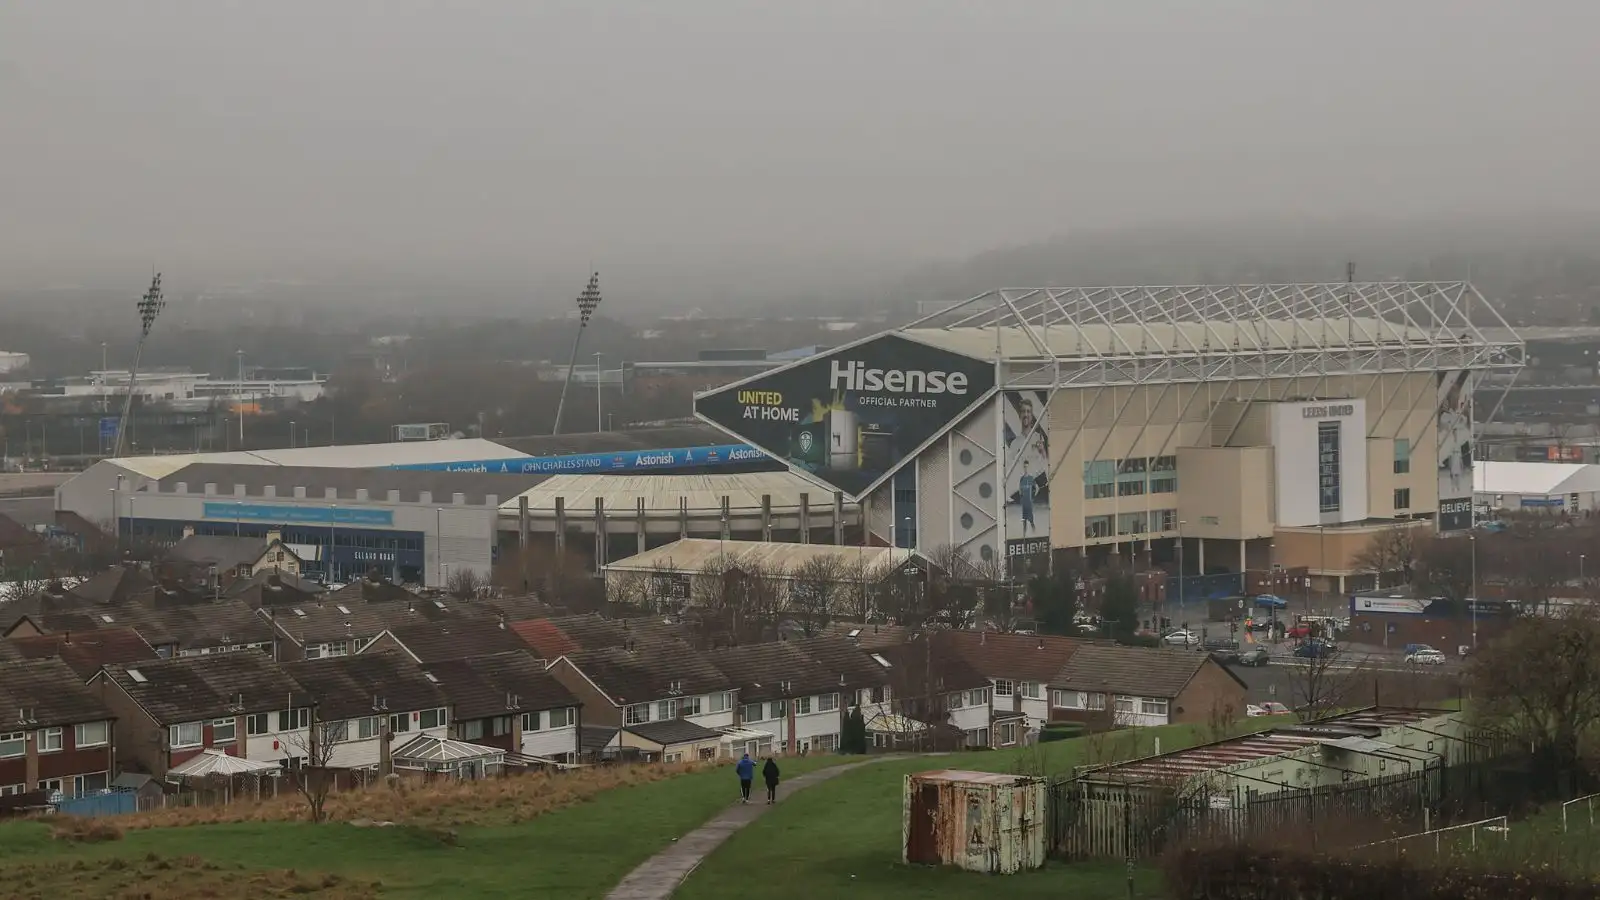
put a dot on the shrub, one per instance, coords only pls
(81, 830)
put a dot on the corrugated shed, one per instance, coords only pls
(662, 493)
(979, 821)
(697, 554)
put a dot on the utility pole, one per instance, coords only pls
(150, 306)
(599, 396)
(588, 301)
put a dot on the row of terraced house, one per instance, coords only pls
(125, 673)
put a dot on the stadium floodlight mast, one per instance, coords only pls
(588, 302)
(150, 306)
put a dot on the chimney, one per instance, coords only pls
(66, 637)
(983, 637)
(1041, 643)
(502, 621)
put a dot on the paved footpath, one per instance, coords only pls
(661, 874)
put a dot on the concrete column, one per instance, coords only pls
(683, 517)
(522, 523)
(1200, 554)
(727, 521)
(766, 518)
(599, 533)
(805, 518)
(561, 524)
(838, 518)
(1244, 561)
(639, 522)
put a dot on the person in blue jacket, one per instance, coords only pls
(747, 773)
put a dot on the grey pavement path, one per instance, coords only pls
(660, 875)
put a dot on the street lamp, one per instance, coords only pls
(238, 400)
(588, 302)
(1182, 609)
(1472, 602)
(150, 306)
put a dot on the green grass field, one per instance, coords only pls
(814, 841)
(580, 852)
(844, 835)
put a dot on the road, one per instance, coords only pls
(1275, 681)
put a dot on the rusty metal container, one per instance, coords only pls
(978, 821)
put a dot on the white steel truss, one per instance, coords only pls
(1100, 336)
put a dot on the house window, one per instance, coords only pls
(722, 702)
(562, 718)
(780, 708)
(189, 734)
(434, 718)
(13, 744)
(530, 721)
(255, 724)
(689, 706)
(825, 742)
(49, 740)
(1402, 498)
(957, 700)
(294, 719)
(223, 731)
(1152, 707)
(11, 790)
(1030, 690)
(472, 730)
(336, 732)
(84, 785)
(339, 648)
(802, 706)
(499, 725)
(1402, 456)
(751, 712)
(979, 697)
(666, 710)
(708, 753)
(399, 723)
(313, 651)
(1124, 704)
(827, 703)
(1008, 733)
(50, 785)
(89, 734)
(1066, 699)
(978, 737)
(366, 728)
(1002, 687)
(1094, 701)
(674, 757)
(637, 714)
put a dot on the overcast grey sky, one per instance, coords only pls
(528, 136)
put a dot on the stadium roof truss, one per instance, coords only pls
(1107, 336)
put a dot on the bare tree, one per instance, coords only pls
(629, 593)
(857, 595)
(1392, 551)
(465, 583)
(314, 780)
(814, 589)
(1322, 684)
(1538, 684)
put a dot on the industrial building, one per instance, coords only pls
(1547, 487)
(418, 511)
(1220, 429)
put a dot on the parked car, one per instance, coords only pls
(1316, 649)
(1428, 657)
(1269, 708)
(1271, 601)
(1418, 648)
(1253, 656)
(1182, 638)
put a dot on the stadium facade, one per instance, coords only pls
(1227, 428)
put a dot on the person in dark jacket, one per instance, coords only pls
(769, 772)
(746, 768)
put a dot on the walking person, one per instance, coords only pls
(747, 773)
(769, 773)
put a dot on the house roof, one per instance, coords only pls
(334, 620)
(114, 585)
(14, 536)
(925, 665)
(869, 636)
(1020, 657)
(86, 652)
(560, 635)
(215, 624)
(518, 607)
(673, 731)
(649, 673)
(222, 551)
(860, 667)
(497, 683)
(271, 588)
(188, 688)
(774, 672)
(594, 738)
(429, 642)
(50, 690)
(370, 589)
(349, 687)
(1137, 671)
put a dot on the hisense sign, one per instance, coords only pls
(851, 417)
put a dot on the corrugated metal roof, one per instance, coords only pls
(962, 776)
(662, 493)
(1154, 338)
(1535, 478)
(347, 456)
(696, 554)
